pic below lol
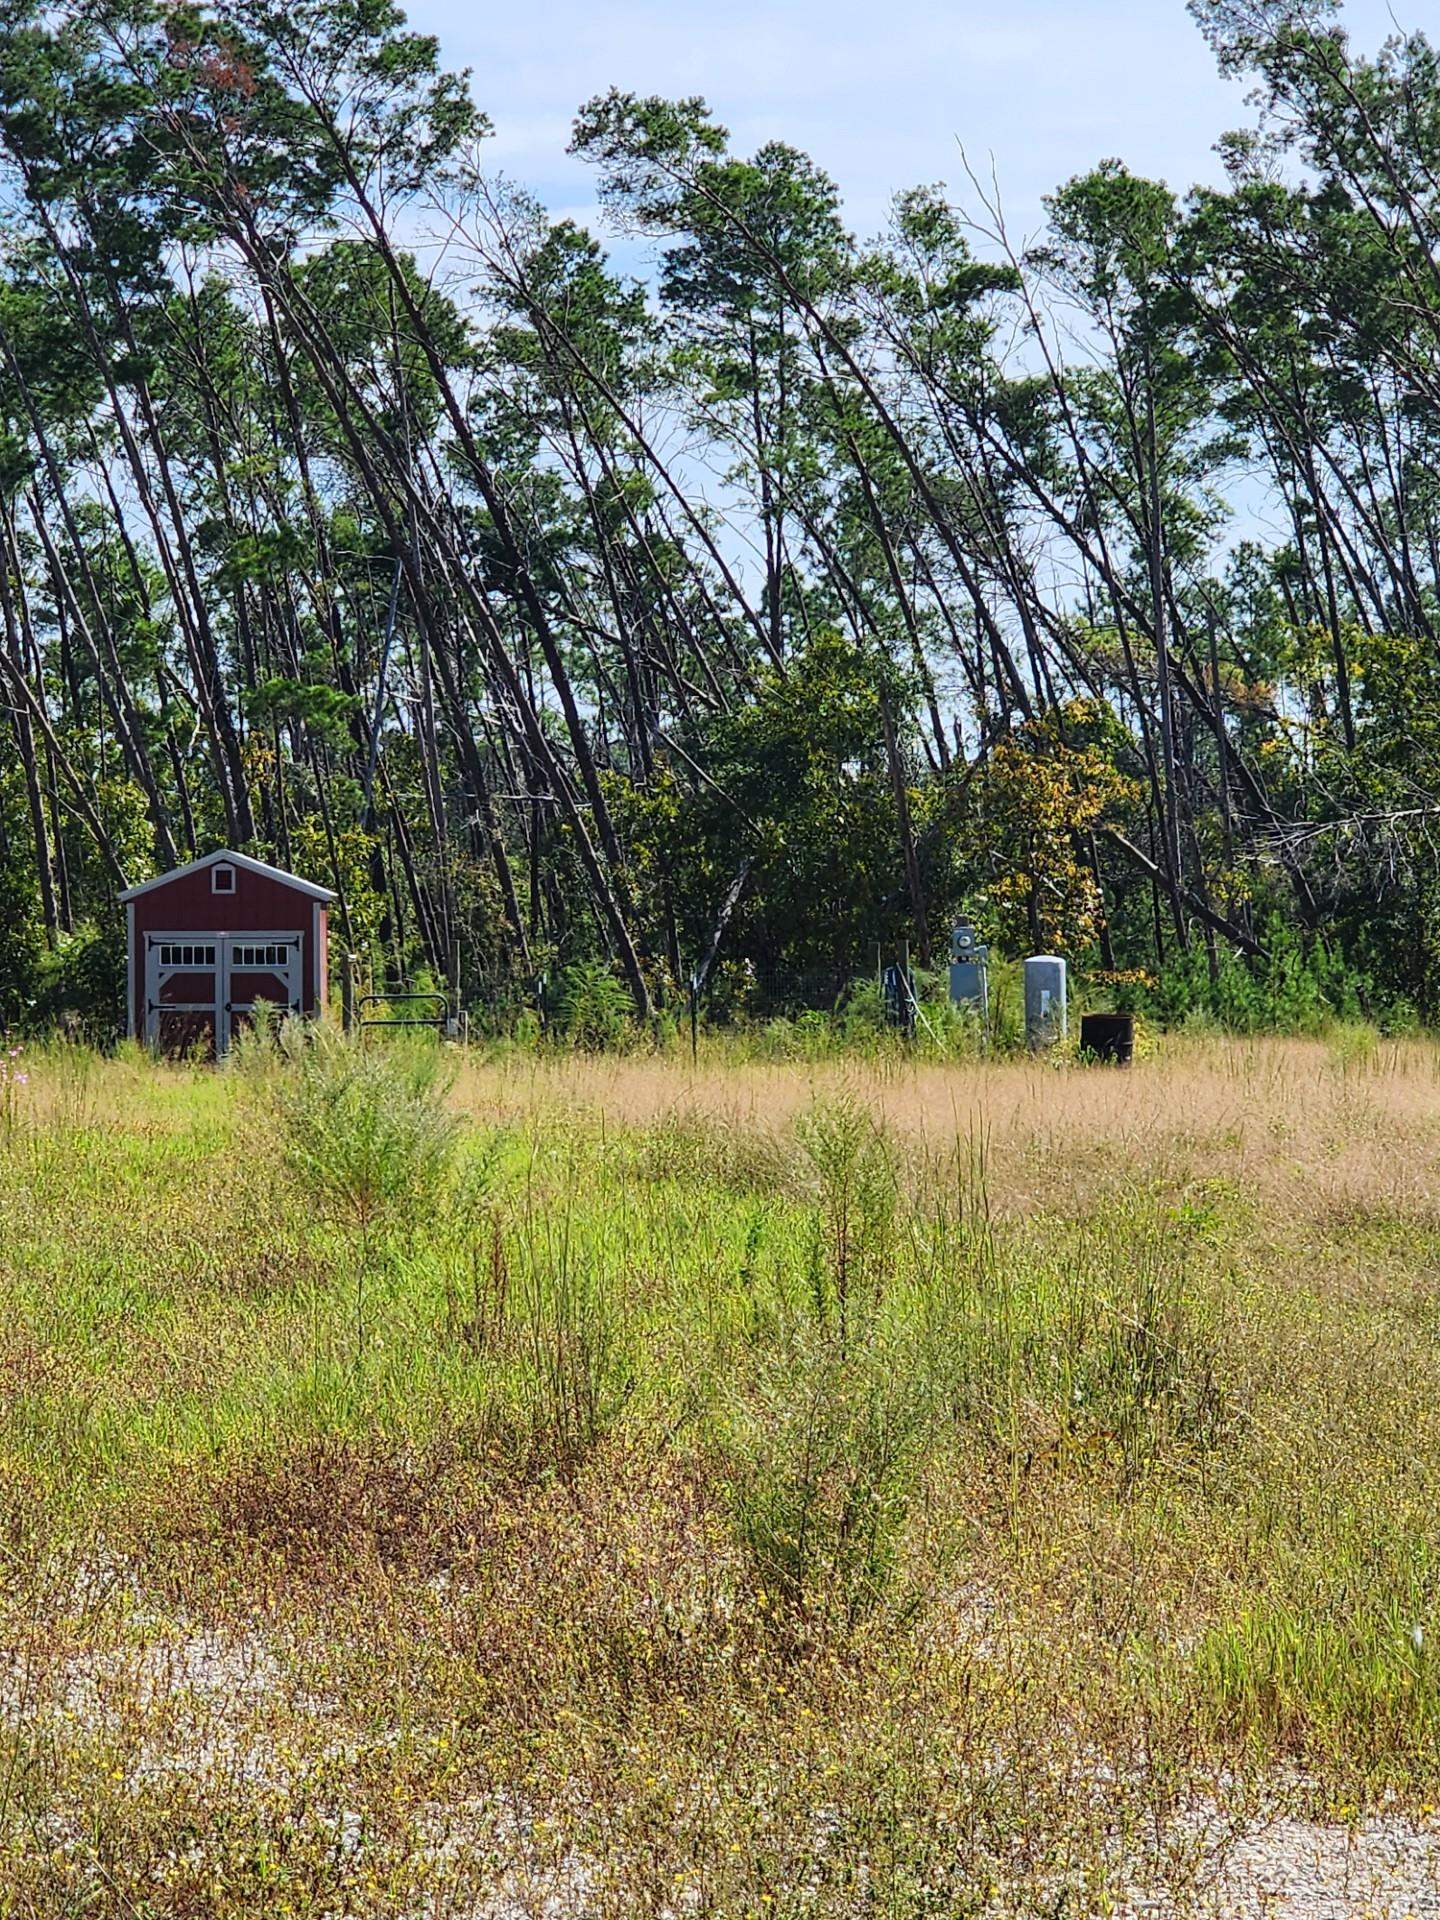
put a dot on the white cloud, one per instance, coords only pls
(879, 92)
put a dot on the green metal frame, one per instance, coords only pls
(436, 1019)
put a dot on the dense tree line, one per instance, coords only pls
(787, 600)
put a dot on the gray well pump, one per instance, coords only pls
(1046, 1014)
(969, 971)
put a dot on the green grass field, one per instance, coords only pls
(602, 1486)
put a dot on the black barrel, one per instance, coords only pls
(1108, 1037)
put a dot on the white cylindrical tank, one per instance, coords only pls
(1046, 1013)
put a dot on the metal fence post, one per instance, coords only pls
(349, 982)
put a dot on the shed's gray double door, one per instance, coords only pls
(197, 985)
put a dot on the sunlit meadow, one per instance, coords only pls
(513, 1484)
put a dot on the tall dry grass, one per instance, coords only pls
(1349, 1121)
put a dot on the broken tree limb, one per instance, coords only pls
(1245, 941)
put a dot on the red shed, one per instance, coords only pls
(205, 943)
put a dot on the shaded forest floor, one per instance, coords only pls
(833, 1490)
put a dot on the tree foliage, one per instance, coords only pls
(777, 604)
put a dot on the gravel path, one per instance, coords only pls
(1291, 1869)
(211, 1693)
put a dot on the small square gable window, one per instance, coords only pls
(222, 879)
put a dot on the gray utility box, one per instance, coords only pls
(1046, 1013)
(969, 971)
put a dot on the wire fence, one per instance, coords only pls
(879, 988)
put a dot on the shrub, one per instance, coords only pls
(821, 1462)
(1300, 986)
(81, 985)
(594, 1008)
(366, 1132)
(365, 1127)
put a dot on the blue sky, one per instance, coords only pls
(879, 92)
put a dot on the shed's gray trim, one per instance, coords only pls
(243, 860)
(317, 960)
